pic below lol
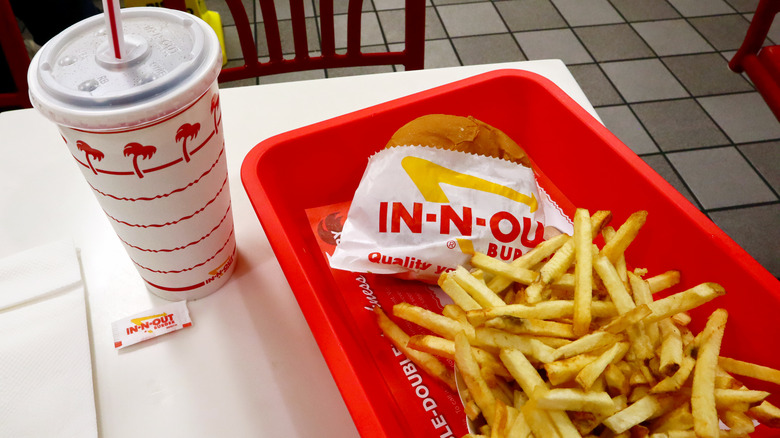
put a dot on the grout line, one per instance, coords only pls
(739, 207)
(760, 175)
(446, 33)
(509, 31)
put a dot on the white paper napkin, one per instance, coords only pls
(45, 363)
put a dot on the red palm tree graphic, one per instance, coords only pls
(214, 106)
(89, 151)
(187, 131)
(138, 150)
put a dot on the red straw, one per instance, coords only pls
(114, 25)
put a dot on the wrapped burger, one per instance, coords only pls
(444, 188)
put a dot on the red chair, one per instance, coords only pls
(16, 56)
(411, 57)
(762, 65)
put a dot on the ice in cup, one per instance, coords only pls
(146, 132)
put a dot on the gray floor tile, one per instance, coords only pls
(766, 158)
(643, 10)
(370, 32)
(471, 19)
(693, 8)
(725, 32)
(384, 5)
(339, 6)
(745, 117)
(720, 177)
(754, 229)
(434, 28)
(486, 49)
(613, 42)
(588, 12)
(283, 9)
(521, 15)
(744, 5)
(394, 29)
(232, 43)
(774, 32)
(643, 80)
(440, 53)
(393, 25)
(595, 85)
(221, 8)
(553, 44)
(622, 122)
(286, 35)
(672, 37)
(667, 172)
(679, 124)
(706, 74)
(455, 2)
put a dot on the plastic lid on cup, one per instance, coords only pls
(171, 59)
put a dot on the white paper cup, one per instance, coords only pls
(147, 136)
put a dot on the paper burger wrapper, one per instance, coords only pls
(421, 211)
(164, 188)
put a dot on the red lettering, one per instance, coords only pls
(501, 236)
(506, 252)
(383, 217)
(526, 229)
(413, 221)
(462, 223)
(492, 249)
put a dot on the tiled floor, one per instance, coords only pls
(654, 69)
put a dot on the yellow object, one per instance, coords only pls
(197, 8)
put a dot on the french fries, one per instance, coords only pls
(568, 340)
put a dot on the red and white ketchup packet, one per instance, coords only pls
(421, 211)
(151, 323)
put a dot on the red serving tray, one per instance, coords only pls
(322, 164)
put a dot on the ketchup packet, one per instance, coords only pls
(151, 323)
(421, 211)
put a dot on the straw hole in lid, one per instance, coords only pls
(45, 66)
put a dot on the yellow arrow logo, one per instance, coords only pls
(215, 270)
(138, 321)
(429, 176)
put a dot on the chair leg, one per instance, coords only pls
(766, 85)
(15, 52)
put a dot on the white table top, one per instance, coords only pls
(249, 365)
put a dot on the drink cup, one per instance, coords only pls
(146, 132)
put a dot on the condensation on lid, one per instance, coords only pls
(171, 59)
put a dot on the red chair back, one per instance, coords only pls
(761, 64)
(411, 57)
(18, 60)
